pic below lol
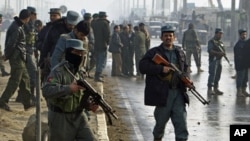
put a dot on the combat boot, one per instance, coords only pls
(244, 92)
(239, 92)
(210, 91)
(217, 91)
(199, 69)
(4, 73)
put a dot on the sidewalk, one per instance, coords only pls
(13, 123)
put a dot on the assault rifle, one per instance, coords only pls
(225, 56)
(97, 99)
(158, 59)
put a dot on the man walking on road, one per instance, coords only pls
(29, 30)
(164, 88)
(191, 45)
(216, 51)
(15, 52)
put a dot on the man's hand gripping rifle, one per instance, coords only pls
(97, 99)
(158, 59)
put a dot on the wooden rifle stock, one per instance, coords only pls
(158, 59)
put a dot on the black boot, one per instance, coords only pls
(217, 91)
(19, 97)
(4, 73)
(98, 77)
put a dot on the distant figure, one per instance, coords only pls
(240, 64)
(216, 51)
(115, 48)
(101, 30)
(191, 45)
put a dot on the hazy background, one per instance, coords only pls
(114, 8)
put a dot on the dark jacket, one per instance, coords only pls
(115, 43)
(246, 54)
(15, 39)
(156, 90)
(101, 34)
(42, 34)
(238, 55)
(59, 27)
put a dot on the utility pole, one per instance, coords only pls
(153, 7)
(137, 4)
(184, 6)
(144, 4)
(233, 24)
(163, 7)
(175, 6)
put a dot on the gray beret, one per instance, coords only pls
(167, 28)
(74, 43)
(218, 30)
(72, 17)
(55, 11)
(31, 9)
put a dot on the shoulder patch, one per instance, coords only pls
(51, 79)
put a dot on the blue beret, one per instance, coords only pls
(218, 30)
(102, 14)
(74, 43)
(167, 28)
(72, 17)
(242, 31)
(31, 9)
(55, 11)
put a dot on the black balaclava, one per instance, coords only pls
(73, 59)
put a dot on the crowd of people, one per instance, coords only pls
(68, 48)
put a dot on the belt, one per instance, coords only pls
(59, 110)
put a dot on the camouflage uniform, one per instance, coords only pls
(191, 44)
(29, 30)
(66, 122)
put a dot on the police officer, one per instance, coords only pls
(161, 91)
(240, 64)
(61, 26)
(15, 52)
(55, 14)
(66, 121)
(216, 51)
(80, 32)
(191, 45)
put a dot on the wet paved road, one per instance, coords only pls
(205, 123)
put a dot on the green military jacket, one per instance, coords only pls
(57, 91)
(190, 39)
(139, 42)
